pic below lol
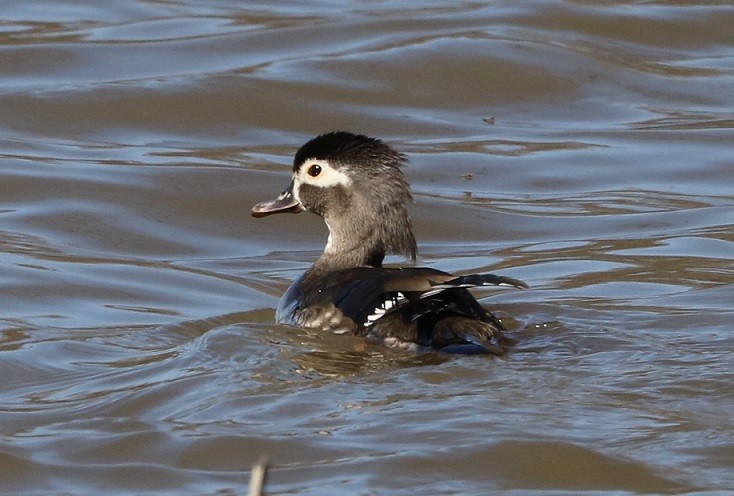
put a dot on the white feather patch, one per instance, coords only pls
(439, 288)
(327, 178)
(384, 307)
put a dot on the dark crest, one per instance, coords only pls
(343, 147)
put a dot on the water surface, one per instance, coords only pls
(585, 148)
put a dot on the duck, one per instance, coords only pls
(355, 183)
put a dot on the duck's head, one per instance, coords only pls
(355, 183)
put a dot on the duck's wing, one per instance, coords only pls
(414, 305)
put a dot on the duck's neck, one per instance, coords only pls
(351, 249)
(358, 241)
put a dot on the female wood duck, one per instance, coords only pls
(355, 184)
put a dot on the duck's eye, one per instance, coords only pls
(314, 170)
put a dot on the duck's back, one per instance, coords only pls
(398, 306)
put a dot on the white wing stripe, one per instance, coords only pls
(384, 307)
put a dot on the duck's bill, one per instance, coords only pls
(285, 203)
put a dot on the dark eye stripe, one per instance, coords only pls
(314, 170)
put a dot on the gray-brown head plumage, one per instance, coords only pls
(356, 184)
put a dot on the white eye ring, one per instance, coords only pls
(320, 173)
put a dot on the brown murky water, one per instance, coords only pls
(585, 147)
